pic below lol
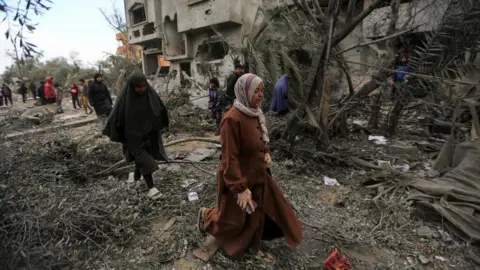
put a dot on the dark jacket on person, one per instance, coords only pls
(231, 81)
(6, 91)
(22, 89)
(137, 122)
(41, 91)
(33, 88)
(99, 97)
(217, 100)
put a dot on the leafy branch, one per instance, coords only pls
(18, 18)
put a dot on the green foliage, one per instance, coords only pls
(35, 70)
(270, 51)
(17, 14)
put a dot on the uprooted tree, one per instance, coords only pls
(441, 58)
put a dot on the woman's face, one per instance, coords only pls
(257, 97)
(140, 87)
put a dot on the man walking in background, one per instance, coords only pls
(33, 89)
(41, 93)
(100, 99)
(22, 90)
(84, 92)
(7, 94)
(231, 81)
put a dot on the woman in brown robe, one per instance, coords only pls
(251, 207)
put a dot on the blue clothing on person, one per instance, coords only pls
(279, 100)
(401, 76)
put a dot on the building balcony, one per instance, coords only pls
(199, 14)
(144, 32)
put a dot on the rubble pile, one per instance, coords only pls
(55, 215)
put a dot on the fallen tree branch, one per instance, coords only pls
(198, 139)
(376, 40)
(124, 162)
(428, 77)
(114, 170)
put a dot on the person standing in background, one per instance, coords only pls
(231, 81)
(50, 94)
(22, 90)
(7, 94)
(74, 92)
(217, 103)
(279, 100)
(84, 92)
(33, 89)
(399, 77)
(41, 92)
(100, 99)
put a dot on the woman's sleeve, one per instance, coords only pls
(232, 175)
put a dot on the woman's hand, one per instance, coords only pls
(244, 199)
(268, 159)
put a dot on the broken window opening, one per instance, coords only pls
(137, 14)
(136, 33)
(151, 63)
(185, 66)
(173, 40)
(148, 29)
(213, 49)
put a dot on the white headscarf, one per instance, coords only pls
(244, 90)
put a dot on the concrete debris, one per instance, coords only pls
(423, 259)
(425, 232)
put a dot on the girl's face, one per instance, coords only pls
(257, 97)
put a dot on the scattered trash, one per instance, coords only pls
(403, 168)
(330, 181)
(378, 139)
(192, 196)
(423, 259)
(383, 163)
(440, 258)
(188, 182)
(336, 261)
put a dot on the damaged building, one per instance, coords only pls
(196, 35)
(181, 31)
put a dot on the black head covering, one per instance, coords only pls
(135, 116)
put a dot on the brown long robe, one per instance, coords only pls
(242, 166)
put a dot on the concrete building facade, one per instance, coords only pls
(196, 35)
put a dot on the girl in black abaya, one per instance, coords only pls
(137, 121)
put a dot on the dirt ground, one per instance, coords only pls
(374, 231)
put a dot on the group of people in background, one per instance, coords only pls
(83, 95)
(220, 101)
